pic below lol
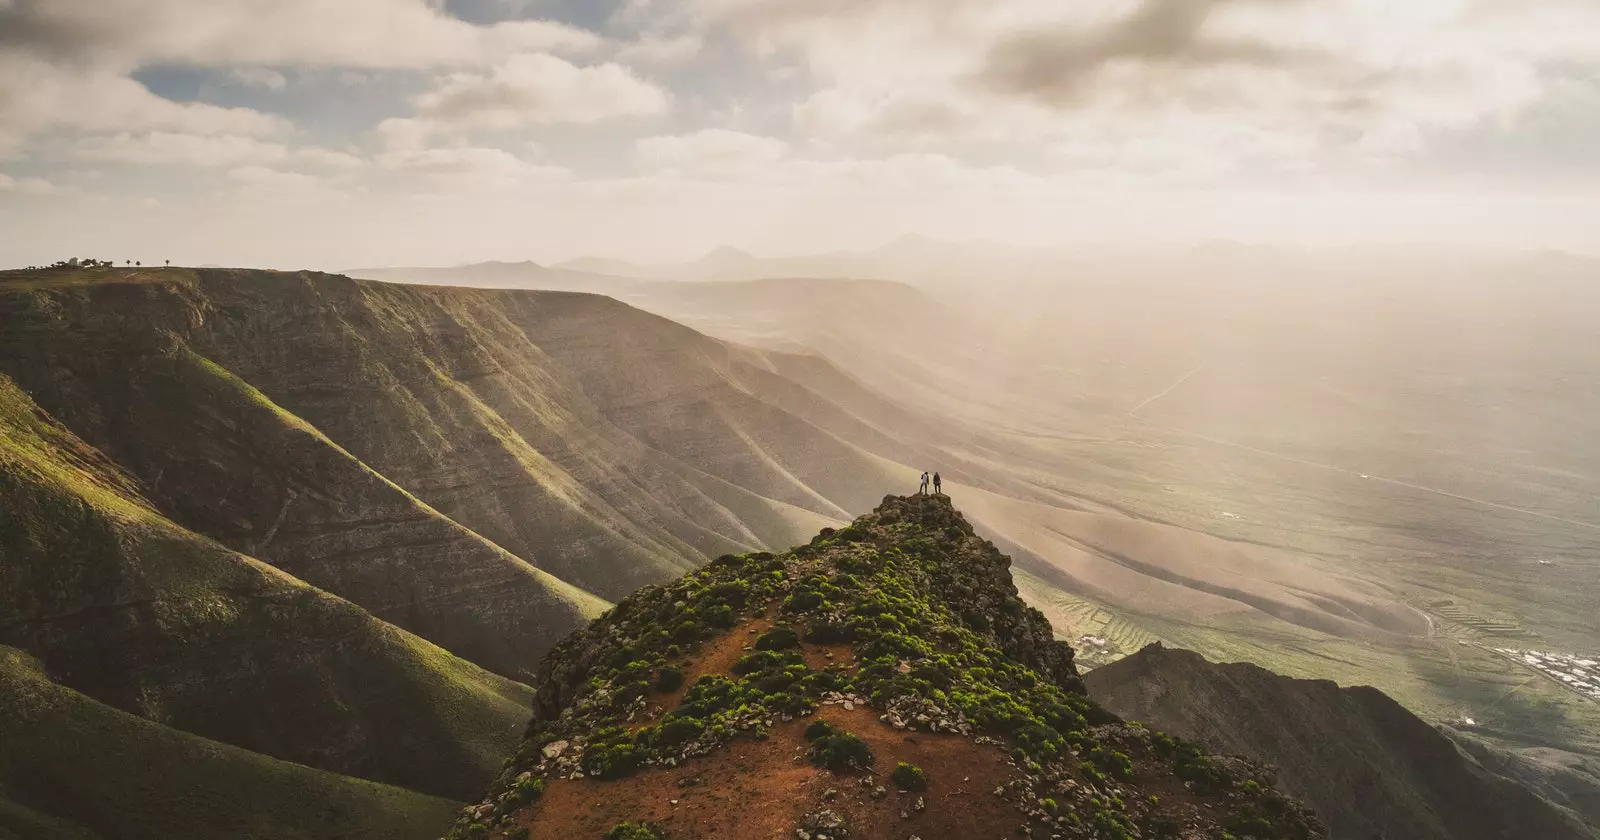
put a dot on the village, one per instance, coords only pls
(1578, 673)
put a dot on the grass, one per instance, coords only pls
(213, 642)
(79, 768)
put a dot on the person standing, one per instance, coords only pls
(937, 489)
(922, 489)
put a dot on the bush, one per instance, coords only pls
(909, 777)
(634, 831)
(819, 729)
(669, 679)
(678, 731)
(778, 638)
(840, 752)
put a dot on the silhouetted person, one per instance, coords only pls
(922, 489)
(936, 488)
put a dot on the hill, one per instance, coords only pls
(1367, 766)
(882, 679)
(295, 513)
(75, 769)
(120, 604)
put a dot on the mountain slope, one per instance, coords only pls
(75, 769)
(1368, 767)
(897, 639)
(122, 605)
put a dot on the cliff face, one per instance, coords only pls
(1366, 765)
(882, 680)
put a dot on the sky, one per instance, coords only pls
(346, 133)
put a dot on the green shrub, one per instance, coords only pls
(840, 752)
(909, 777)
(669, 679)
(678, 731)
(634, 831)
(778, 638)
(819, 729)
(521, 832)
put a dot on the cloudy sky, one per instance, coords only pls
(343, 133)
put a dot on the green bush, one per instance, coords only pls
(678, 731)
(634, 831)
(819, 729)
(840, 752)
(669, 679)
(909, 777)
(778, 638)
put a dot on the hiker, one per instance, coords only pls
(922, 490)
(937, 490)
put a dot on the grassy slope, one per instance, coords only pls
(221, 458)
(128, 608)
(75, 769)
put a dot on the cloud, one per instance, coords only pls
(465, 170)
(259, 77)
(712, 151)
(539, 88)
(265, 183)
(305, 33)
(1332, 82)
(661, 49)
(37, 97)
(1055, 64)
(168, 148)
(26, 186)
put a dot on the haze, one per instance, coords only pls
(370, 132)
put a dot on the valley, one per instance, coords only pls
(389, 500)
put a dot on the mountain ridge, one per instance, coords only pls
(904, 626)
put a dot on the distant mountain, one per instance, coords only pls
(883, 680)
(1368, 767)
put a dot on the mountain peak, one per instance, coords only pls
(882, 678)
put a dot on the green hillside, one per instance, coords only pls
(75, 769)
(122, 605)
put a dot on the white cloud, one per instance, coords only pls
(37, 97)
(465, 169)
(662, 49)
(1332, 80)
(169, 148)
(712, 151)
(266, 183)
(259, 77)
(326, 159)
(539, 88)
(26, 186)
(306, 33)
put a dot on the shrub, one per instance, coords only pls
(840, 752)
(819, 729)
(909, 777)
(828, 633)
(669, 679)
(678, 731)
(778, 638)
(634, 831)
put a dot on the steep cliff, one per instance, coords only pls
(883, 680)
